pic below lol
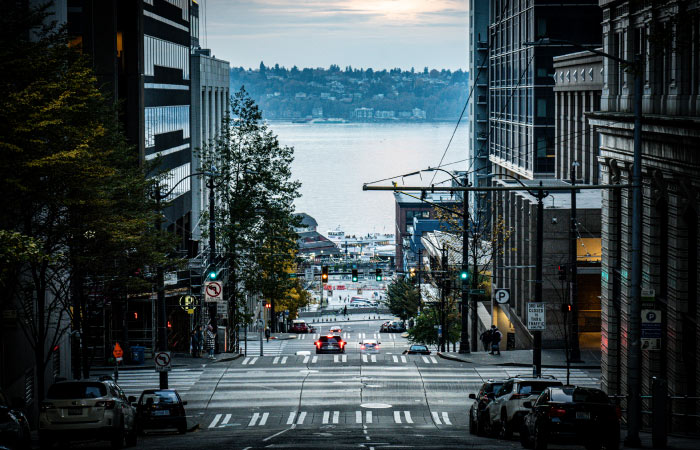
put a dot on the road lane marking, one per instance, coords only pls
(314, 360)
(303, 336)
(403, 359)
(425, 359)
(215, 421)
(446, 418)
(408, 416)
(358, 416)
(345, 358)
(306, 359)
(397, 416)
(253, 420)
(336, 416)
(374, 358)
(436, 418)
(395, 358)
(227, 417)
(432, 358)
(245, 361)
(276, 434)
(263, 421)
(326, 416)
(253, 361)
(364, 358)
(284, 360)
(368, 416)
(300, 419)
(393, 338)
(335, 358)
(292, 416)
(276, 360)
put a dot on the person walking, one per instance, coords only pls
(200, 341)
(495, 340)
(211, 341)
(267, 334)
(486, 339)
(194, 345)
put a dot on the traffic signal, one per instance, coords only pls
(268, 306)
(464, 275)
(412, 271)
(212, 275)
(379, 275)
(354, 275)
(566, 308)
(324, 274)
(562, 271)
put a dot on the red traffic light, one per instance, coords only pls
(268, 306)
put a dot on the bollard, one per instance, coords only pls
(659, 400)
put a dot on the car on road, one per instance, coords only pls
(396, 327)
(477, 412)
(335, 329)
(506, 411)
(331, 343)
(14, 426)
(369, 346)
(161, 409)
(571, 414)
(85, 410)
(417, 349)
(384, 328)
(299, 326)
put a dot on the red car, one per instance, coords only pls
(330, 344)
(299, 326)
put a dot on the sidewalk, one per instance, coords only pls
(180, 360)
(551, 358)
(672, 442)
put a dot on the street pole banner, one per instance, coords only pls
(536, 316)
(213, 291)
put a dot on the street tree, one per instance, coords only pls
(403, 298)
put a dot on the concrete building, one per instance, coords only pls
(514, 234)
(667, 35)
(578, 85)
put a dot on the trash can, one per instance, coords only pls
(137, 354)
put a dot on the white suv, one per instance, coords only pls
(87, 409)
(506, 411)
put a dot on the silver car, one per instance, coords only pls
(85, 410)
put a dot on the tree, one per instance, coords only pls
(424, 330)
(255, 220)
(403, 298)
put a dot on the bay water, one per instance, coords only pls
(334, 160)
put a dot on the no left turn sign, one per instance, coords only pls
(163, 360)
(213, 291)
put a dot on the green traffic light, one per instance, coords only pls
(212, 275)
(464, 275)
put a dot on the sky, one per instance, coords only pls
(381, 34)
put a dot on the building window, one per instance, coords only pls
(542, 107)
(175, 176)
(158, 52)
(166, 119)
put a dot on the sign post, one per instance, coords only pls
(536, 316)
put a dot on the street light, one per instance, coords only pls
(634, 359)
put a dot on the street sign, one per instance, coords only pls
(286, 312)
(187, 302)
(213, 291)
(163, 362)
(477, 291)
(502, 296)
(309, 274)
(648, 299)
(118, 352)
(651, 329)
(536, 316)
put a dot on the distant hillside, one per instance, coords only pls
(354, 94)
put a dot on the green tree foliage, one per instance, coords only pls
(71, 186)
(255, 219)
(403, 298)
(424, 330)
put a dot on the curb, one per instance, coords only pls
(232, 358)
(453, 358)
(514, 364)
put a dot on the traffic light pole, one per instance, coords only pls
(443, 288)
(464, 335)
(160, 297)
(537, 335)
(575, 355)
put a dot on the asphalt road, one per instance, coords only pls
(309, 401)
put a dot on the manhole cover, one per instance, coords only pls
(375, 405)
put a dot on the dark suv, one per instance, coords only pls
(330, 344)
(478, 418)
(14, 426)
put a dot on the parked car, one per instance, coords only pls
(506, 411)
(417, 349)
(477, 413)
(384, 328)
(571, 414)
(330, 344)
(85, 410)
(161, 409)
(396, 327)
(14, 426)
(369, 346)
(299, 326)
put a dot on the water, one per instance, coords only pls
(334, 160)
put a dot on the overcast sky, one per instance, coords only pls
(317, 33)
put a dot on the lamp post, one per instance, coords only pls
(575, 355)
(634, 352)
(464, 335)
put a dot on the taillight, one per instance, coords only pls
(47, 405)
(318, 343)
(362, 346)
(377, 347)
(557, 412)
(342, 344)
(106, 404)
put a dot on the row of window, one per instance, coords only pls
(158, 52)
(173, 177)
(182, 4)
(165, 119)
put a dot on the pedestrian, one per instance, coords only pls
(194, 344)
(267, 334)
(495, 340)
(211, 341)
(486, 339)
(200, 341)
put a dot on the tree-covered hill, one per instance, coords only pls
(354, 94)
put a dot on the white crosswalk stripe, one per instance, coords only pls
(432, 358)
(425, 360)
(406, 415)
(300, 419)
(358, 416)
(215, 421)
(374, 358)
(368, 416)
(306, 359)
(254, 420)
(133, 382)
(364, 358)
(314, 360)
(446, 418)
(395, 358)
(403, 359)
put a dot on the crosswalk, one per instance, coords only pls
(133, 382)
(338, 359)
(334, 417)
(347, 336)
